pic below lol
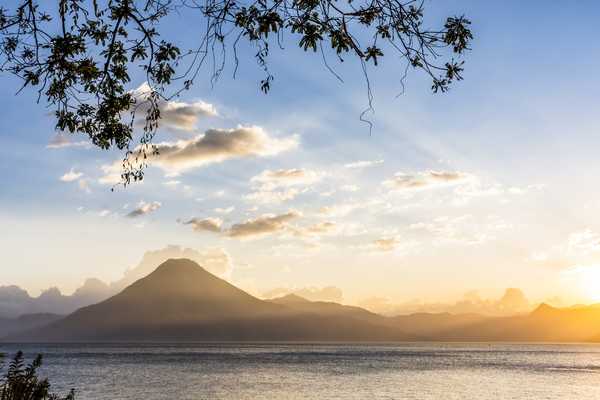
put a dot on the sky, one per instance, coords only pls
(489, 186)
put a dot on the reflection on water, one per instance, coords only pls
(308, 371)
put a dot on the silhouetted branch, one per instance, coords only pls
(82, 66)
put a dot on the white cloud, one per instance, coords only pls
(386, 244)
(269, 179)
(512, 302)
(343, 209)
(75, 176)
(62, 140)
(583, 242)
(171, 183)
(144, 208)
(271, 197)
(251, 228)
(84, 185)
(321, 227)
(363, 164)
(205, 225)
(349, 188)
(318, 229)
(426, 180)
(71, 176)
(215, 260)
(112, 174)
(214, 146)
(266, 224)
(227, 210)
(276, 186)
(173, 114)
(389, 244)
(464, 229)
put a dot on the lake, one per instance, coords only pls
(309, 371)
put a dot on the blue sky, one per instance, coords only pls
(520, 135)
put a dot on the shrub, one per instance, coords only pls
(21, 382)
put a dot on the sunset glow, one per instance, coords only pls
(299, 200)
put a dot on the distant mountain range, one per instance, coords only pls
(14, 301)
(26, 322)
(181, 301)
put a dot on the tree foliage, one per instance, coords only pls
(21, 382)
(78, 54)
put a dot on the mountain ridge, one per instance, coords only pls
(181, 301)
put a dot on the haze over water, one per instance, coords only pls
(308, 371)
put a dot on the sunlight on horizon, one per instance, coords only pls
(589, 279)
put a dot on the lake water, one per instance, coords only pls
(308, 371)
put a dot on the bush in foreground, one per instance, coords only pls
(21, 382)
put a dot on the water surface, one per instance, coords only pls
(309, 371)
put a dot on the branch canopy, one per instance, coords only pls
(78, 54)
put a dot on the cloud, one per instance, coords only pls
(62, 140)
(385, 244)
(218, 145)
(269, 179)
(260, 226)
(227, 210)
(271, 197)
(75, 176)
(343, 209)
(263, 225)
(112, 174)
(214, 146)
(207, 224)
(321, 227)
(276, 186)
(363, 164)
(173, 114)
(327, 293)
(171, 183)
(512, 302)
(426, 180)
(214, 260)
(390, 243)
(318, 229)
(71, 176)
(144, 208)
(464, 229)
(583, 242)
(84, 185)
(349, 188)
(580, 247)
